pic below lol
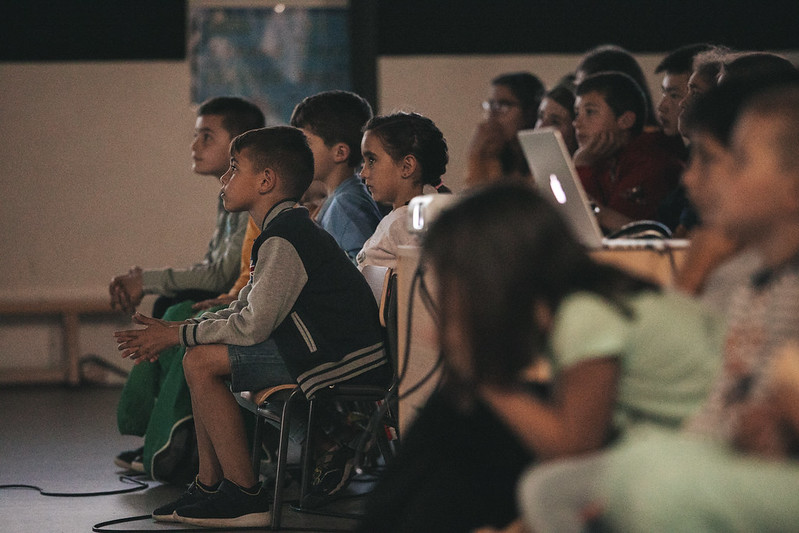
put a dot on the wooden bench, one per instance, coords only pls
(69, 312)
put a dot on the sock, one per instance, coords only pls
(206, 488)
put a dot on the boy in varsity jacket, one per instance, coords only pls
(306, 316)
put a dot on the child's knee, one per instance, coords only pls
(204, 361)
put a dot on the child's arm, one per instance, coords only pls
(578, 419)
(483, 154)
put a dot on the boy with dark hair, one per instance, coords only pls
(154, 403)
(627, 172)
(218, 121)
(307, 315)
(676, 68)
(332, 121)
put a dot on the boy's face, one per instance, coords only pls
(705, 178)
(240, 183)
(697, 85)
(673, 89)
(594, 117)
(381, 174)
(759, 194)
(323, 156)
(210, 149)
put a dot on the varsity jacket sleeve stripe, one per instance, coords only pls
(278, 279)
(348, 367)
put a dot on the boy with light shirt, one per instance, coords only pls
(218, 121)
(306, 316)
(155, 394)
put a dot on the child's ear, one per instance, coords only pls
(341, 152)
(268, 181)
(626, 120)
(409, 165)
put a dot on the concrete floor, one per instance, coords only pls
(64, 440)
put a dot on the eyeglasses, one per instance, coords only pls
(499, 106)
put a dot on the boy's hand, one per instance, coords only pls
(126, 290)
(146, 344)
(599, 147)
(483, 153)
(224, 299)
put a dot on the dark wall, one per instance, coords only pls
(571, 26)
(52, 30)
(93, 30)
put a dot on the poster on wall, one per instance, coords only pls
(272, 53)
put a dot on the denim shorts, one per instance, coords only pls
(257, 367)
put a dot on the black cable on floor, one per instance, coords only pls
(101, 527)
(140, 485)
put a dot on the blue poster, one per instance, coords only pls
(274, 56)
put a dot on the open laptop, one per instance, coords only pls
(557, 180)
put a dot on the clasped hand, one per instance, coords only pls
(147, 343)
(126, 290)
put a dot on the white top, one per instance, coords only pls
(382, 248)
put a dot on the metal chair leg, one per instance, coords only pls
(282, 458)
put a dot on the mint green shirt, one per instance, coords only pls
(669, 351)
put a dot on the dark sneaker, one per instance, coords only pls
(125, 459)
(230, 506)
(196, 492)
(332, 475)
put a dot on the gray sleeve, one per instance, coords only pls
(278, 279)
(216, 273)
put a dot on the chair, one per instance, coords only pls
(280, 403)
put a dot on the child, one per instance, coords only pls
(515, 287)
(332, 121)
(611, 57)
(746, 410)
(140, 412)
(402, 153)
(557, 111)
(218, 121)
(701, 471)
(307, 315)
(676, 68)
(494, 152)
(626, 172)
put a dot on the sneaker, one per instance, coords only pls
(196, 492)
(332, 475)
(230, 506)
(125, 459)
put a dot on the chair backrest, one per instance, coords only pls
(383, 282)
(376, 278)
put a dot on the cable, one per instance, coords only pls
(101, 527)
(393, 390)
(140, 485)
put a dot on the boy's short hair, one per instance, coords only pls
(335, 116)
(707, 64)
(755, 65)
(681, 60)
(238, 115)
(621, 93)
(780, 103)
(282, 148)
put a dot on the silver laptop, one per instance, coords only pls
(557, 180)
